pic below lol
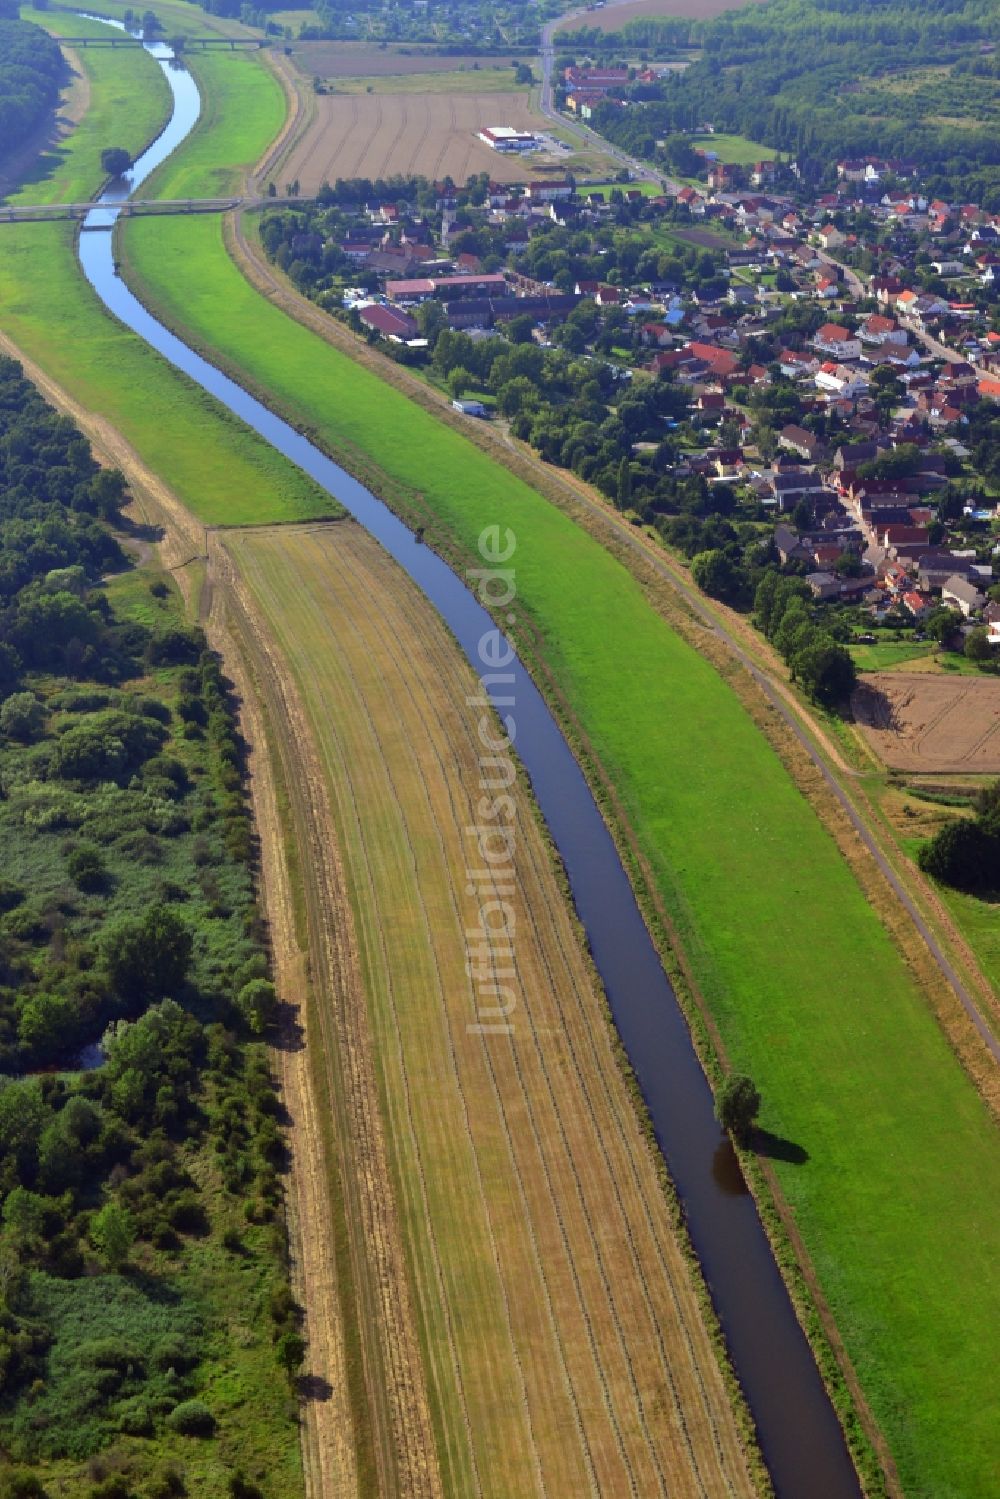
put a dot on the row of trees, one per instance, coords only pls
(31, 73)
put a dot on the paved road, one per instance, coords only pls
(641, 171)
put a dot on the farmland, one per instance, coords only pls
(127, 104)
(555, 1314)
(350, 60)
(896, 1138)
(614, 17)
(928, 722)
(377, 135)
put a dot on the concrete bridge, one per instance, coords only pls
(41, 213)
(181, 44)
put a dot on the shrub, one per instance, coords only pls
(192, 1418)
(258, 1002)
(22, 717)
(11, 895)
(21, 1483)
(86, 868)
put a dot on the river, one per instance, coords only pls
(800, 1436)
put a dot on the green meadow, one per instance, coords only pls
(898, 1199)
(219, 470)
(243, 109)
(129, 105)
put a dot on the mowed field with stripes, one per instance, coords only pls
(434, 134)
(547, 1329)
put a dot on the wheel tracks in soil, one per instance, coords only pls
(538, 1143)
(397, 1397)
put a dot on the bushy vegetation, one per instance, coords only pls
(128, 919)
(824, 79)
(966, 853)
(31, 72)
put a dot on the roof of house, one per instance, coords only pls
(832, 333)
(961, 588)
(388, 321)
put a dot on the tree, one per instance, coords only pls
(826, 670)
(86, 868)
(258, 1002)
(624, 494)
(112, 1233)
(977, 646)
(737, 1106)
(459, 381)
(148, 957)
(942, 624)
(22, 717)
(963, 854)
(116, 160)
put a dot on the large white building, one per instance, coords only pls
(505, 138)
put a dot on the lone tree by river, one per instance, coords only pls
(115, 160)
(737, 1105)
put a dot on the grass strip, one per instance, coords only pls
(129, 105)
(223, 473)
(897, 1195)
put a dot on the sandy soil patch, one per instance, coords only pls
(919, 722)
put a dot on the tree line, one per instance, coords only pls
(128, 924)
(31, 74)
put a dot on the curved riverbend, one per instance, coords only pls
(800, 1436)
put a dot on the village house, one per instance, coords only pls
(839, 342)
(962, 594)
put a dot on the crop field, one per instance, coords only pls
(335, 60)
(128, 102)
(614, 17)
(931, 723)
(223, 473)
(897, 1138)
(376, 135)
(561, 1339)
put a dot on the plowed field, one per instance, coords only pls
(935, 723)
(562, 1350)
(377, 135)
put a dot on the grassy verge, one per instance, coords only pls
(897, 1201)
(223, 473)
(129, 105)
(243, 109)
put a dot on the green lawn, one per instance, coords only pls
(886, 654)
(899, 1201)
(735, 150)
(220, 471)
(129, 105)
(243, 109)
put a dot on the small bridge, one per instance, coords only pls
(181, 44)
(42, 213)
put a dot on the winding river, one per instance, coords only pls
(800, 1436)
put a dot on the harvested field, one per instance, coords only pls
(614, 17)
(562, 1344)
(364, 60)
(376, 135)
(931, 723)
